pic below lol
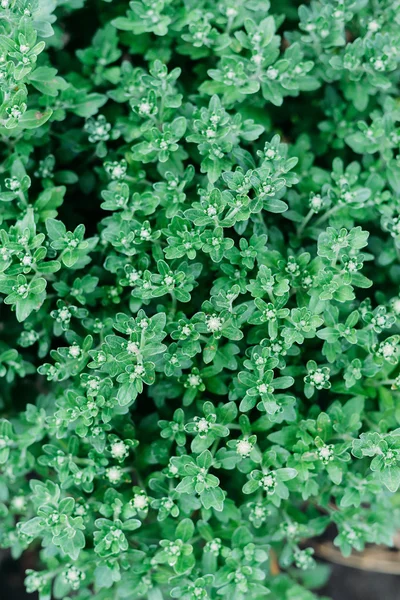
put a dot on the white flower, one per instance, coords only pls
(262, 388)
(22, 290)
(64, 315)
(318, 377)
(187, 331)
(387, 350)
(291, 529)
(373, 26)
(316, 203)
(167, 503)
(118, 172)
(145, 233)
(145, 108)
(259, 512)
(101, 357)
(352, 265)
(15, 112)
(257, 58)
(244, 448)
(214, 546)
(380, 321)
(18, 503)
(194, 380)
(270, 313)
(74, 576)
(5, 254)
(351, 535)
(169, 280)
(268, 482)
(292, 267)
(231, 12)
(137, 373)
(119, 450)
(211, 211)
(202, 425)
(140, 501)
(214, 323)
(132, 348)
(114, 474)
(272, 73)
(13, 184)
(173, 469)
(74, 351)
(326, 453)
(152, 16)
(133, 277)
(378, 64)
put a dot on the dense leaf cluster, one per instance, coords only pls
(199, 276)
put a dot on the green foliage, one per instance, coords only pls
(199, 282)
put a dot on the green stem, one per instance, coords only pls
(305, 222)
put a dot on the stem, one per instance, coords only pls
(174, 302)
(327, 214)
(305, 222)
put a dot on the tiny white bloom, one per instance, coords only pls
(140, 501)
(214, 323)
(244, 448)
(194, 380)
(114, 474)
(119, 449)
(74, 351)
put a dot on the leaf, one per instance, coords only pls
(351, 497)
(73, 545)
(31, 119)
(89, 105)
(286, 474)
(251, 486)
(390, 477)
(185, 530)
(275, 206)
(393, 175)
(335, 473)
(23, 308)
(213, 498)
(178, 127)
(184, 563)
(127, 394)
(186, 486)
(204, 460)
(33, 527)
(55, 229)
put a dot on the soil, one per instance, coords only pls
(352, 584)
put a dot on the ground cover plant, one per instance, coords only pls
(199, 257)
